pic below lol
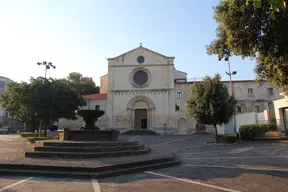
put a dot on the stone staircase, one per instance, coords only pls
(68, 149)
(79, 159)
(89, 172)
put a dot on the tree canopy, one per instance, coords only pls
(41, 99)
(17, 101)
(275, 5)
(249, 33)
(210, 103)
(83, 85)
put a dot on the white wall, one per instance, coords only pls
(278, 106)
(240, 90)
(161, 77)
(179, 74)
(245, 119)
(250, 118)
(104, 84)
(261, 118)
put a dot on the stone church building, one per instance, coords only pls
(144, 90)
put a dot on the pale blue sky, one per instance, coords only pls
(78, 35)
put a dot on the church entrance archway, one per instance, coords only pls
(140, 110)
(140, 119)
(182, 124)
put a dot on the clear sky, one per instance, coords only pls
(78, 36)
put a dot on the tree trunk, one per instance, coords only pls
(45, 130)
(31, 125)
(216, 133)
(45, 124)
(34, 125)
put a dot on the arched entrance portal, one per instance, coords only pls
(140, 110)
(140, 119)
(182, 125)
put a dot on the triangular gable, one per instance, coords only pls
(143, 48)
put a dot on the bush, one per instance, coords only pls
(227, 138)
(31, 134)
(272, 127)
(140, 132)
(33, 139)
(21, 131)
(52, 137)
(248, 132)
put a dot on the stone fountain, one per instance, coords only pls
(89, 132)
(106, 152)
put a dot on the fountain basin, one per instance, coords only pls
(88, 135)
(90, 117)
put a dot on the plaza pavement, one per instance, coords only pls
(248, 166)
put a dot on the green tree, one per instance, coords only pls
(42, 99)
(18, 102)
(249, 33)
(83, 85)
(279, 6)
(75, 77)
(210, 103)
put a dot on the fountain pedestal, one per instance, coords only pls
(88, 135)
(89, 132)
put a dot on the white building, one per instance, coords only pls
(4, 119)
(281, 112)
(144, 90)
(4, 81)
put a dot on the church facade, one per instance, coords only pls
(144, 90)
(141, 91)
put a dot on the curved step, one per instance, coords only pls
(87, 169)
(88, 144)
(89, 149)
(89, 172)
(86, 154)
(51, 173)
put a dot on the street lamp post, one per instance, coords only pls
(229, 73)
(47, 66)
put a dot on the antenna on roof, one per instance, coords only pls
(140, 44)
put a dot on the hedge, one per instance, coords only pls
(248, 132)
(231, 138)
(21, 131)
(272, 127)
(31, 134)
(33, 139)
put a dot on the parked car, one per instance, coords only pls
(7, 130)
(4, 130)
